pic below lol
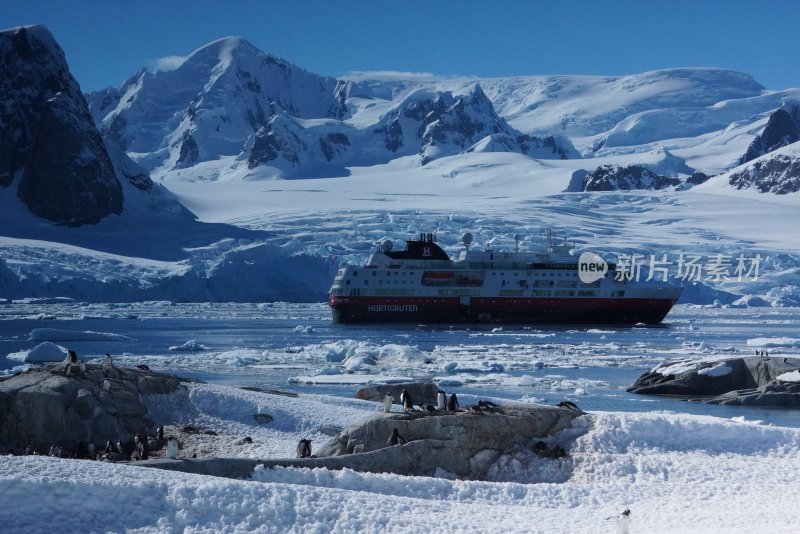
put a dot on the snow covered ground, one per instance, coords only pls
(680, 467)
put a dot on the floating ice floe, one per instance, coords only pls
(773, 342)
(349, 379)
(43, 352)
(56, 334)
(190, 346)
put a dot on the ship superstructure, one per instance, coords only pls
(422, 284)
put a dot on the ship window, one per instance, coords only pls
(355, 273)
(374, 273)
(347, 283)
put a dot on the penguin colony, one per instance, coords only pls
(139, 447)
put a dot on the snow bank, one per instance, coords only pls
(666, 468)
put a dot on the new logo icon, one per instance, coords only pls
(591, 267)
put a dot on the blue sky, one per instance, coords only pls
(108, 40)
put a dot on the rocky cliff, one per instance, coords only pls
(50, 150)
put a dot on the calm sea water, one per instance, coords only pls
(590, 366)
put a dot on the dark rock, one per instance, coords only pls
(777, 173)
(43, 406)
(262, 418)
(749, 381)
(616, 178)
(782, 129)
(48, 137)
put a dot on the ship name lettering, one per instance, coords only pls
(392, 308)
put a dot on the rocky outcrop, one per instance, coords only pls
(782, 129)
(45, 405)
(464, 443)
(460, 444)
(749, 381)
(777, 172)
(50, 149)
(617, 178)
(418, 391)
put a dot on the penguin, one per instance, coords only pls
(109, 448)
(388, 400)
(405, 400)
(452, 403)
(425, 407)
(108, 361)
(72, 356)
(121, 448)
(441, 401)
(488, 405)
(569, 405)
(142, 447)
(107, 385)
(29, 451)
(156, 442)
(82, 367)
(91, 451)
(143, 367)
(623, 522)
(395, 438)
(304, 448)
(172, 447)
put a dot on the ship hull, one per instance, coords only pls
(621, 311)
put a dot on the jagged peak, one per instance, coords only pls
(34, 36)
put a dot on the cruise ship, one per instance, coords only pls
(422, 284)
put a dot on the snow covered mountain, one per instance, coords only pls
(230, 99)
(208, 106)
(621, 164)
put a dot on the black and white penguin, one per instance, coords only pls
(405, 400)
(388, 400)
(395, 438)
(142, 447)
(156, 442)
(29, 451)
(72, 356)
(452, 403)
(172, 447)
(107, 385)
(425, 407)
(441, 401)
(91, 451)
(623, 522)
(304, 448)
(487, 405)
(569, 405)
